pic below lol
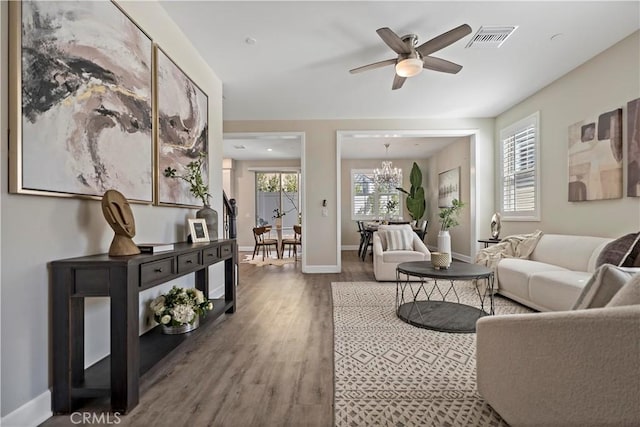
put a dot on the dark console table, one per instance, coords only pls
(121, 279)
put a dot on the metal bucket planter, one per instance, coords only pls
(182, 329)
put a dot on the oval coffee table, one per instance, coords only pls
(415, 303)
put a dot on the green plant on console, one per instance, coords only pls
(449, 216)
(193, 177)
(415, 196)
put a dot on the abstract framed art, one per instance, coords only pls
(448, 187)
(595, 158)
(183, 128)
(81, 97)
(633, 148)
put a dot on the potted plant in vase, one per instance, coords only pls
(278, 217)
(415, 196)
(448, 219)
(179, 310)
(193, 177)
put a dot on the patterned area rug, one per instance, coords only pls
(389, 373)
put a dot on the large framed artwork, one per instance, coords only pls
(183, 112)
(595, 158)
(448, 187)
(633, 148)
(81, 101)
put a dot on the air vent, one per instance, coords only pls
(239, 147)
(490, 37)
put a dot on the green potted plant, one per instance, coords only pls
(415, 196)
(448, 219)
(198, 188)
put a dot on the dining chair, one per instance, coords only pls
(362, 232)
(262, 241)
(293, 242)
(422, 228)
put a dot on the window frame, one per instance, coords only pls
(377, 195)
(532, 120)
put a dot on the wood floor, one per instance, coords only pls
(269, 364)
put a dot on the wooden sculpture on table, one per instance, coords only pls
(118, 214)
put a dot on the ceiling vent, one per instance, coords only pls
(239, 147)
(490, 37)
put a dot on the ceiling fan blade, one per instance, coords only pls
(398, 82)
(393, 41)
(443, 40)
(437, 64)
(373, 66)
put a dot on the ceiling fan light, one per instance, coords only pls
(409, 67)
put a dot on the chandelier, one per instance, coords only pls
(387, 178)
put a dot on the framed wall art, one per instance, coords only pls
(183, 111)
(81, 101)
(448, 187)
(633, 148)
(595, 158)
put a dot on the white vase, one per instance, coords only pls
(444, 242)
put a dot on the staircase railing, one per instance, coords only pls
(229, 214)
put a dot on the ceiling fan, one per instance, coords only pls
(411, 59)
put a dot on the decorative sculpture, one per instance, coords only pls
(495, 226)
(119, 216)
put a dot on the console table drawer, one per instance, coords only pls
(226, 250)
(152, 272)
(187, 262)
(209, 255)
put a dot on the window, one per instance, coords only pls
(367, 201)
(519, 184)
(277, 190)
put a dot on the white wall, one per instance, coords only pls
(606, 82)
(37, 230)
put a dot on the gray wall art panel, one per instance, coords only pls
(86, 100)
(182, 130)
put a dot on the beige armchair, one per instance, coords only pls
(387, 258)
(566, 368)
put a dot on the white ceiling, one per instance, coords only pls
(298, 66)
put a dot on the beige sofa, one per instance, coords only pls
(553, 276)
(385, 261)
(567, 368)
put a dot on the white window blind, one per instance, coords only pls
(366, 201)
(519, 182)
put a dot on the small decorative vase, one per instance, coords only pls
(444, 243)
(495, 226)
(440, 260)
(182, 329)
(279, 222)
(211, 218)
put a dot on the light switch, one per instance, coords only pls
(325, 211)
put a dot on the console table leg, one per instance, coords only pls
(125, 352)
(61, 400)
(230, 281)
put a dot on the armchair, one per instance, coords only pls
(568, 368)
(386, 259)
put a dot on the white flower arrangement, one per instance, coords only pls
(180, 306)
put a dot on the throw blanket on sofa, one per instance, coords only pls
(515, 246)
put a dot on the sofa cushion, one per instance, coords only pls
(629, 294)
(514, 274)
(622, 252)
(602, 286)
(557, 290)
(398, 240)
(570, 252)
(402, 256)
(385, 227)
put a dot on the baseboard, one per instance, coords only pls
(318, 269)
(349, 247)
(32, 413)
(245, 249)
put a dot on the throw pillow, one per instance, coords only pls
(629, 294)
(606, 281)
(399, 240)
(623, 252)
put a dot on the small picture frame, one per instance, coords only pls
(198, 229)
